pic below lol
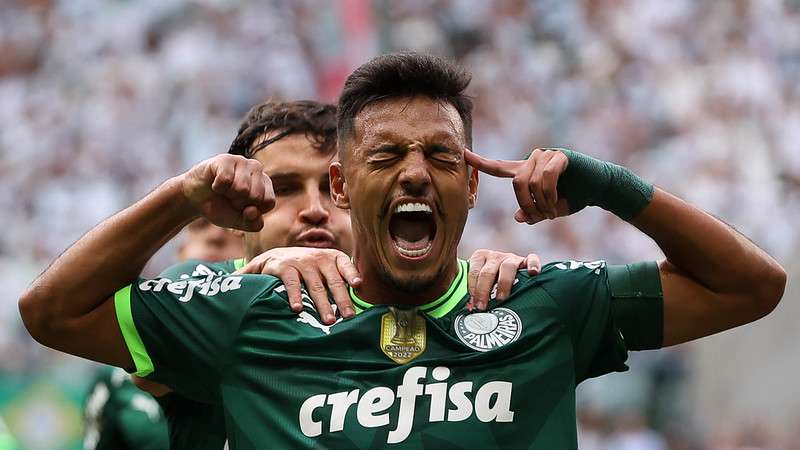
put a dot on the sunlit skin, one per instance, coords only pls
(405, 149)
(304, 215)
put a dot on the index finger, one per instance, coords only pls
(494, 167)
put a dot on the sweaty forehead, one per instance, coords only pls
(409, 119)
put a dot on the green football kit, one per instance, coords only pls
(119, 416)
(432, 376)
(196, 425)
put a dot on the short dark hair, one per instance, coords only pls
(314, 119)
(404, 74)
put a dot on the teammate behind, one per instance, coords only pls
(415, 369)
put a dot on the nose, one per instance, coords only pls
(314, 211)
(415, 179)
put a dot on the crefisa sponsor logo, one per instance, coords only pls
(449, 402)
(210, 285)
(484, 331)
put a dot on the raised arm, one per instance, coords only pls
(713, 278)
(69, 307)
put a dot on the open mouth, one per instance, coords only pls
(412, 229)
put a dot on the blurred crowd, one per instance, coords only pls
(102, 100)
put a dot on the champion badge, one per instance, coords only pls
(484, 331)
(402, 335)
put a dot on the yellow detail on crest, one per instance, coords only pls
(403, 334)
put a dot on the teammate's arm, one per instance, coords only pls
(713, 278)
(68, 307)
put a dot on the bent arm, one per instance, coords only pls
(69, 306)
(713, 278)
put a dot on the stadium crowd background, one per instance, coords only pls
(102, 100)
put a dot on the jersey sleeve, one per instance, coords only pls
(607, 310)
(180, 331)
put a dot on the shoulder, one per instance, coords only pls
(566, 282)
(563, 274)
(196, 267)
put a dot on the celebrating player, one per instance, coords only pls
(295, 142)
(416, 368)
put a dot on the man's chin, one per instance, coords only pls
(411, 283)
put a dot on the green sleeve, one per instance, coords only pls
(638, 304)
(580, 289)
(607, 310)
(180, 331)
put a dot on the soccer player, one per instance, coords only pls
(415, 368)
(295, 142)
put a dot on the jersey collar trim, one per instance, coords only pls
(437, 308)
(238, 263)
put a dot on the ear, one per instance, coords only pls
(472, 188)
(339, 193)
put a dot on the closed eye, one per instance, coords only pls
(443, 154)
(384, 153)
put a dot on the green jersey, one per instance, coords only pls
(436, 375)
(119, 416)
(196, 425)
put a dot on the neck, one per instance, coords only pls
(376, 290)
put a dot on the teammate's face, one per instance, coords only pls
(409, 190)
(304, 215)
(209, 242)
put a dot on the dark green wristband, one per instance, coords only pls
(591, 182)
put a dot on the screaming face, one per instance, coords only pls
(409, 189)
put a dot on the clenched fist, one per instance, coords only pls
(230, 191)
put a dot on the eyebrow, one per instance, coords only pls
(283, 176)
(291, 176)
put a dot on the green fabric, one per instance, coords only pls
(638, 304)
(122, 304)
(193, 425)
(196, 425)
(499, 379)
(119, 416)
(591, 182)
(436, 308)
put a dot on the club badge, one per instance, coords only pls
(484, 331)
(402, 334)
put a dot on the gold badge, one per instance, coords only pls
(402, 334)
